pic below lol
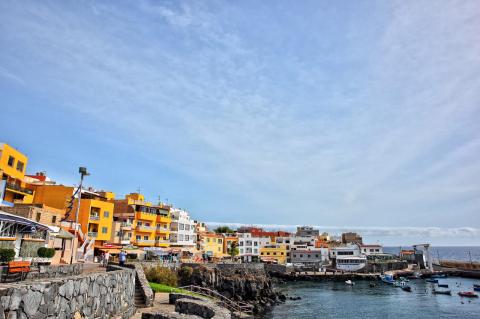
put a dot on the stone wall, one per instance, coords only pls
(147, 291)
(56, 271)
(94, 295)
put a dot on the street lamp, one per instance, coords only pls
(83, 172)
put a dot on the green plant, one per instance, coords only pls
(233, 249)
(6, 254)
(45, 252)
(161, 275)
(185, 274)
(223, 230)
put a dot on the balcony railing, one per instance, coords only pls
(145, 241)
(162, 230)
(92, 234)
(94, 217)
(145, 228)
(162, 241)
(17, 188)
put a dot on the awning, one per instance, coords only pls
(34, 226)
(63, 234)
(114, 251)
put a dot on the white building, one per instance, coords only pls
(371, 249)
(348, 257)
(182, 229)
(249, 247)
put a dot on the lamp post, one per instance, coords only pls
(83, 172)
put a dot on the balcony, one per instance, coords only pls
(145, 228)
(94, 217)
(145, 242)
(126, 226)
(162, 230)
(92, 234)
(19, 189)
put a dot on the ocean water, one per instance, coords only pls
(337, 300)
(463, 253)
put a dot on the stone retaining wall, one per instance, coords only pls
(94, 295)
(56, 271)
(147, 291)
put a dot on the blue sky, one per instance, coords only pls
(339, 113)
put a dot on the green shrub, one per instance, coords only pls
(185, 274)
(161, 275)
(6, 254)
(45, 252)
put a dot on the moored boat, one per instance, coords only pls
(388, 279)
(407, 288)
(443, 285)
(442, 292)
(439, 276)
(476, 288)
(469, 294)
(349, 283)
(434, 281)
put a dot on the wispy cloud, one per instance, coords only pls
(286, 117)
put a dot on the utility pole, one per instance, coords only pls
(83, 172)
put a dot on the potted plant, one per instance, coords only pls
(46, 255)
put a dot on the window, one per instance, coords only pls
(129, 235)
(255, 251)
(208, 240)
(106, 214)
(187, 238)
(104, 230)
(255, 243)
(164, 226)
(268, 253)
(220, 241)
(54, 219)
(316, 256)
(157, 238)
(37, 218)
(11, 160)
(138, 237)
(219, 249)
(282, 253)
(139, 223)
(20, 166)
(274, 253)
(145, 237)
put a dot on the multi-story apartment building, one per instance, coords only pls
(96, 211)
(307, 231)
(13, 165)
(162, 230)
(182, 233)
(37, 212)
(249, 247)
(212, 244)
(351, 238)
(274, 253)
(229, 240)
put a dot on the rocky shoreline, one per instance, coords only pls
(251, 284)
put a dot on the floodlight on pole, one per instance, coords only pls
(83, 172)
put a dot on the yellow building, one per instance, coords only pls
(276, 253)
(162, 231)
(96, 213)
(13, 165)
(211, 244)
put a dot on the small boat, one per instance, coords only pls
(476, 288)
(349, 283)
(388, 279)
(438, 276)
(442, 292)
(404, 279)
(407, 288)
(434, 281)
(469, 294)
(443, 285)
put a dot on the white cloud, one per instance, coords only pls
(386, 134)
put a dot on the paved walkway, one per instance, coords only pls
(160, 305)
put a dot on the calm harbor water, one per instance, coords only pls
(337, 300)
(463, 253)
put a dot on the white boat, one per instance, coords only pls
(349, 282)
(350, 263)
